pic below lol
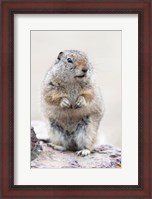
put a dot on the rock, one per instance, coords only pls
(103, 156)
(36, 148)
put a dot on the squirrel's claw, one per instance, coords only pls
(83, 152)
(65, 103)
(80, 102)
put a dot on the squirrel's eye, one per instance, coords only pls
(69, 60)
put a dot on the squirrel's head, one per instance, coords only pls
(74, 64)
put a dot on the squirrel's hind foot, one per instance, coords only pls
(83, 152)
(56, 147)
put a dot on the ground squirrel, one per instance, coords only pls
(71, 102)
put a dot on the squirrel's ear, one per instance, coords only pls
(59, 56)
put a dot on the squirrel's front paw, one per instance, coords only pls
(80, 102)
(65, 103)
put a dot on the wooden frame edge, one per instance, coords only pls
(23, 189)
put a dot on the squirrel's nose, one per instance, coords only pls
(84, 70)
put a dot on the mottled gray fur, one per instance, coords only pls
(72, 103)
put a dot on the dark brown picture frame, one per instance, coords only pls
(144, 10)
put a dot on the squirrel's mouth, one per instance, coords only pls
(80, 76)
